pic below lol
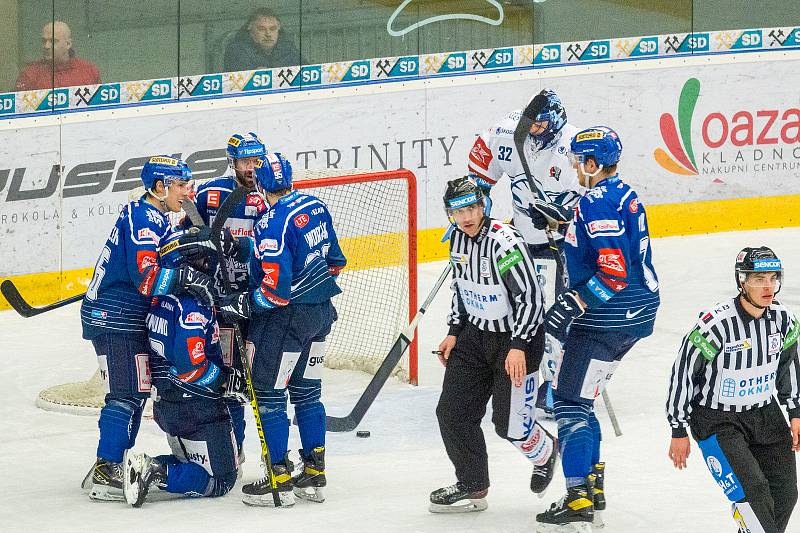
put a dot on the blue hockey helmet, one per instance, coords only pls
(166, 169)
(274, 172)
(245, 145)
(551, 111)
(601, 143)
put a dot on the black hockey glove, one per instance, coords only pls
(236, 385)
(196, 283)
(228, 243)
(544, 214)
(235, 306)
(560, 316)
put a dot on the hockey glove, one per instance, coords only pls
(196, 283)
(236, 386)
(228, 243)
(544, 214)
(195, 243)
(559, 317)
(235, 306)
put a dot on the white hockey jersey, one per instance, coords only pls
(495, 154)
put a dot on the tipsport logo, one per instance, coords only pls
(681, 159)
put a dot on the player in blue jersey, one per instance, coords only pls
(190, 382)
(126, 277)
(243, 151)
(610, 304)
(293, 278)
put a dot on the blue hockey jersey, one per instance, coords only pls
(610, 261)
(210, 196)
(297, 255)
(185, 355)
(126, 274)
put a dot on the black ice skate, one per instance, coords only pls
(597, 479)
(259, 494)
(141, 473)
(308, 484)
(574, 513)
(446, 499)
(543, 474)
(104, 481)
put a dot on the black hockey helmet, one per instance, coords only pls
(462, 192)
(754, 260)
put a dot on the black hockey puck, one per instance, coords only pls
(362, 434)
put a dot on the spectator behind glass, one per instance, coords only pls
(261, 44)
(58, 66)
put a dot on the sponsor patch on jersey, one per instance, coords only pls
(271, 272)
(739, 346)
(250, 210)
(634, 205)
(614, 284)
(555, 173)
(611, 261)
(196, 318)
(458, 258)
(301, 220)
(570, 238)
(706, 318)
(791, 337)
(268, 244)
(774, 344)
(148, 234)
(196, 348)
(486, 267)
(99, 314)
(508, 261)
(145, 259)
(212, 199)
(706, 348)
(589, 136)
(597, 226)
(480, 154)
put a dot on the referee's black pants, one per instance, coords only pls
(475, 372)
(758, 446)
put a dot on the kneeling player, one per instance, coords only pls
(724, 382)
(191, 384)
(493, 349)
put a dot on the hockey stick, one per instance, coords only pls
(225, 211)
(349, 422)
(25, 309)
(521, 132)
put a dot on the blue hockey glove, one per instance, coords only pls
(559, 317)
(235, 306)
(196, 283)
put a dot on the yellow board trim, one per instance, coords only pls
(666, 220)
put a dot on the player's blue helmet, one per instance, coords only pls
(553, 112)
(166, 169)
(245, 145)
(274, 172)
(600, 143)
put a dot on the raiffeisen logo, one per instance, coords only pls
(739, 142)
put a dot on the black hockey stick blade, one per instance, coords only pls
(351, 421)
(11, 293)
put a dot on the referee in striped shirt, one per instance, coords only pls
(493, 349)
(739, 356)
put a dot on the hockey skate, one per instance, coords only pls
(597, 480)
(458, 498)
(259, 494)
(543, 474)
(104, 481)
(573, 513)
(309, 484)
(141, 473)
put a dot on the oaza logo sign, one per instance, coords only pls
(759, 139)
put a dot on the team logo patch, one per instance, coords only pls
(212, 200)
(196, 348)
(634, 205)
(486, 267)
(611, 261)
(145, 259)
(301, 220)
(271, 272)
(480, 154)
(774, 344)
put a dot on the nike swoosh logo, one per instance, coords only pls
(187, 395)
(634, 314)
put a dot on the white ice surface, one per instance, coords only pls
(382, 483)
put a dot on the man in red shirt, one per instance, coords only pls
(58, 66)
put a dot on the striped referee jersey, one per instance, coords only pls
(731, 361)
(494, 283)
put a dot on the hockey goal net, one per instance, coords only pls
(374, 214)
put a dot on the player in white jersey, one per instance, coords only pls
(495, 153)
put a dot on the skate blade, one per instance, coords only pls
(104, 493)
(130, 479)
(598, 523)
(267, 500)
(574, 527)
(471, 506)
(87, 483)
(310, 494)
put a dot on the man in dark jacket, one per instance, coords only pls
(261, 44)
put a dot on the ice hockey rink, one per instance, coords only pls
(382, 483)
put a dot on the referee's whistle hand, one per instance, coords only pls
(445, 347)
